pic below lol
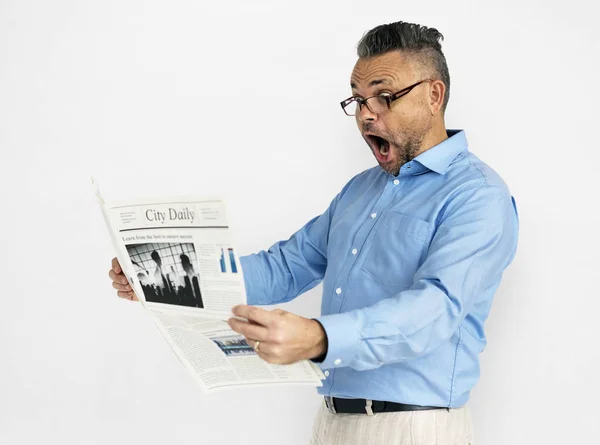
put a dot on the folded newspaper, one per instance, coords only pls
(178, 258)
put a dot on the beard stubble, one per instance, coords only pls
(405, 147)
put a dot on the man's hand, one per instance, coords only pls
(119, 282)
(284, 337)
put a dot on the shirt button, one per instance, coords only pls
(337, 361)
(326, 373)
(338, 290)
(396, 182)
(373, 215)
(354, 251)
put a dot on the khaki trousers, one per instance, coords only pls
(431, 427)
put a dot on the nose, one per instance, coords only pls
(364, 114)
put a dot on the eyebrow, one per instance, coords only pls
(373, 83)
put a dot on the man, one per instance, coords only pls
(410, 254)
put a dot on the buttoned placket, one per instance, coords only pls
(392, 187)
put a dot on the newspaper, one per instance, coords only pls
(178, 258)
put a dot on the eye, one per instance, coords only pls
(384, 93)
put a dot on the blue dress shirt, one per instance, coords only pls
(409, 265)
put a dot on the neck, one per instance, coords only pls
(436, 136)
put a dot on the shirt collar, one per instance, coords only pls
(439, 157)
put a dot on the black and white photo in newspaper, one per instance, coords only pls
(178, 254)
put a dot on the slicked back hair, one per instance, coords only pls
(415, 40)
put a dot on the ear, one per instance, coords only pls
(437, 91)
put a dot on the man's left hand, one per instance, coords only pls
(284, 337)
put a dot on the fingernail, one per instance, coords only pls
(124, 281)
(128, 288)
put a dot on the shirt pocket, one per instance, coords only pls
(397, 248)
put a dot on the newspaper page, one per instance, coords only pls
(219, 357)
(178, 257)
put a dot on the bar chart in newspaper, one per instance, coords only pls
(228, 261)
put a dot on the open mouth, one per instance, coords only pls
(379, 145)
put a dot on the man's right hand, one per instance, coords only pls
(120, 282)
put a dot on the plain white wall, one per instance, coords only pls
(241, 97)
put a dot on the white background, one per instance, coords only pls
(241, 98)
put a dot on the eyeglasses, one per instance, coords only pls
(375, 104)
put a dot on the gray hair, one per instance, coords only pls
(416, 40)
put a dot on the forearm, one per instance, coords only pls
(269, 280)
(395, 329)
(290, 267)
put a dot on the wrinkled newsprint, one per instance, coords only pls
(178, 257)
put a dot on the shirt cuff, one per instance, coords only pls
(342, 338)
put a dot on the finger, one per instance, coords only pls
(251, 342)
(248, 330)
(263, 349)
(117, 278)
(128, 295)
(122, 287)
(268, 351)
(253, 313)
(125, 295)
(115, 265)
(267, 357)
(262, 355)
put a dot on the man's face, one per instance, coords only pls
(394, 135)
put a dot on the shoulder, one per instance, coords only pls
(472, 173)
(475, 187)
